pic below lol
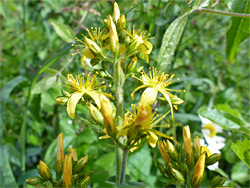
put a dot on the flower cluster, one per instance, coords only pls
(188, 170)
(67, 166)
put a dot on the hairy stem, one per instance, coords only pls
(223, 13)
(124, 164)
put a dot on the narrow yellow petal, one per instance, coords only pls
(149, 46)
(169, 102)
(71, 104)
(87, 52)
(94, 95)
(152, 138)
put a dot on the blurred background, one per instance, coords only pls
(35, 31)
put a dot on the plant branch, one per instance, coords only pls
(124, 164)
(240, 15)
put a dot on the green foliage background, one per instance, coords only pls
(34, 32)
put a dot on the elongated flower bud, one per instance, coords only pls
(114, 41)
(121, 23)
(199, 170)
(62, 100)
(93, 46)
(132, 64)
(178, 176)
(187, 144)
(59, 155)
(162, 148)
(217, 181)
(107, 113)
(72, 151)
(34, 180)
(45, 171)
(85, 182)
(116, 12)
(172, 151)
(96, 114)
(213, 159)
(196, 147)
(81, 164)
(67, 170)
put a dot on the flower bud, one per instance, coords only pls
(187, 144)
(62, 100)
(81, 164)
(196, 147)
(67, 170)
(65, 93)
(114, 41)
(72, 151)
(59, 155)
(171, 150)
(163, 170)
(48, 184)
(116, 12)
(34, 180)
(217, 181)
(93, 46)
(45, 171)
(121, 23)
(107, 113)
(132, 64)
(199, 170)
(106, 23)
(162, 148)
(213, 159)
(96, 114)
(85, 182)
(141, 56)
(127, 41)
(178, 176)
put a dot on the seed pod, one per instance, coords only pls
(171, 150)
(45, 171)
(217, 181)
(80, 165)
(34, 180)
(93, 46)
(132, 64)
(213, 159)
(178, 176)
(59, 156)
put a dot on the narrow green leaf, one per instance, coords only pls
(239, 29)
(63, 31)
(242, 150)
(170, 41)
(34, 79)
(6, 176)
(8, 88)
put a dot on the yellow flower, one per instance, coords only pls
(144, 117)
(67, 170)
(139, 40)
(96, 36)
(81, 87)
(199, 170)
(157, 82)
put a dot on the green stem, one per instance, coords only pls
(119, 113)
(223, 13)
(124, 164)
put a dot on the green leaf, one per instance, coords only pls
(8, 88)
(170, 41)
(63, 31)
(43, 85)
(240, 172)
(242, 150)
(106, 161)
(225, 120)
(239, 29)
(6, 175)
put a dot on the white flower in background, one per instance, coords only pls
(211, 142)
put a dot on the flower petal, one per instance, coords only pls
(152, 138)
(123, 49)
(169, 102)
(136, 89)
(71, 104)
(87, 52)
(148, 97)
(95, 95)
